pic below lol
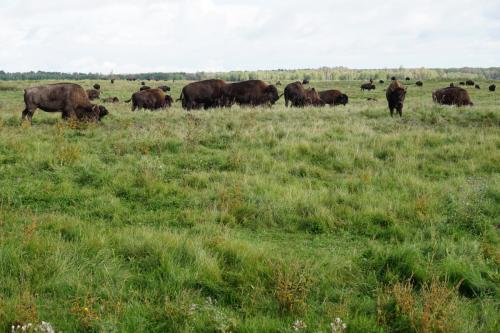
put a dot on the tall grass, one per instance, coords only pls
(251, 220)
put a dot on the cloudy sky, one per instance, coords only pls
(129, 36)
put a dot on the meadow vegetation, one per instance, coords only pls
(252, 219)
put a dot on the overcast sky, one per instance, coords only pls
(129, 36)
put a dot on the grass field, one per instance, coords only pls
(248, 220)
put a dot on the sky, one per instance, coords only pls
(133, 36)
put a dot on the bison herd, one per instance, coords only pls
(75, 102)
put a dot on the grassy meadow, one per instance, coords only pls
(252, 219)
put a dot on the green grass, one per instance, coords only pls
(245, 220)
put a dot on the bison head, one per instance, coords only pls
(342, 99)
(99, 112)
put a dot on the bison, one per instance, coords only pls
(452, 96)
(144, 88)
(407, 78)
(251, 92)
(452, 85)
(333, 97)
(305, 81)
(395, 95)
(68, 98)
(419, 83)
(295, 94)
(206, 94)
(381, 81)
(312, 98)
(97, 86)
(367, 86)
(492, 87)
(477, 86)
(93, 94)
(110, 100)
(143, 83)
(150, 99)
(469, 83)
(164, 88)
(112, 81)
(462, 83)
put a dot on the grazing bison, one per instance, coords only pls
(462, 83)
(381, 81)
(93, 94)
(419, 83)
(295, 94)
(97, 86)
(144, 88)
(150, 99)
(68, 98)
(305, 81)
(312, 98)
(251, 92)
(492, 87)
(206, 94)
(367, 86)
(407, 78)
(333, 97)
(164, 88)
(110, 100)
(469, 83)
(477, 86)
(452, 96)
(395, 95)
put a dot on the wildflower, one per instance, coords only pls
(299, 325)
(338, 326)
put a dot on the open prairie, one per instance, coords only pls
(253, 219)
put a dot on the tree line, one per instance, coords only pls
(319, 74)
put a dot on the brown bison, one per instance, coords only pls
(452, 96)
(93, 94)
(164, 88)
(461, 83)
(395, 95)
(381, 81)
(407, 78)
(469, 83)
(68, 98)
(251, 92)
(419, 83)
(110, 100)
(305, 81)
(206, 94)
(477, 86)
(295, 94)
(97, 86)
(144, 88)
(492, 87)
(367, 86)
(333, 97)
(150, 99)
(143, 83)
(312, 98)
(112, 81)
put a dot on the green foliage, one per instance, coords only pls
(248, 220)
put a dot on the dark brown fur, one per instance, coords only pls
(251, 93)
(93, 94)
(368, 86)
(395, 95)
(452, 96)
(150, 99)
(492, 87)
(68, 98)
(202, 94)
(333, 97)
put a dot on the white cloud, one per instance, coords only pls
(174, 35)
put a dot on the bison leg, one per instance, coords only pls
(392, 111)
(69, 112)
(27, 113)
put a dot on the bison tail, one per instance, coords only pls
(180, 98)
